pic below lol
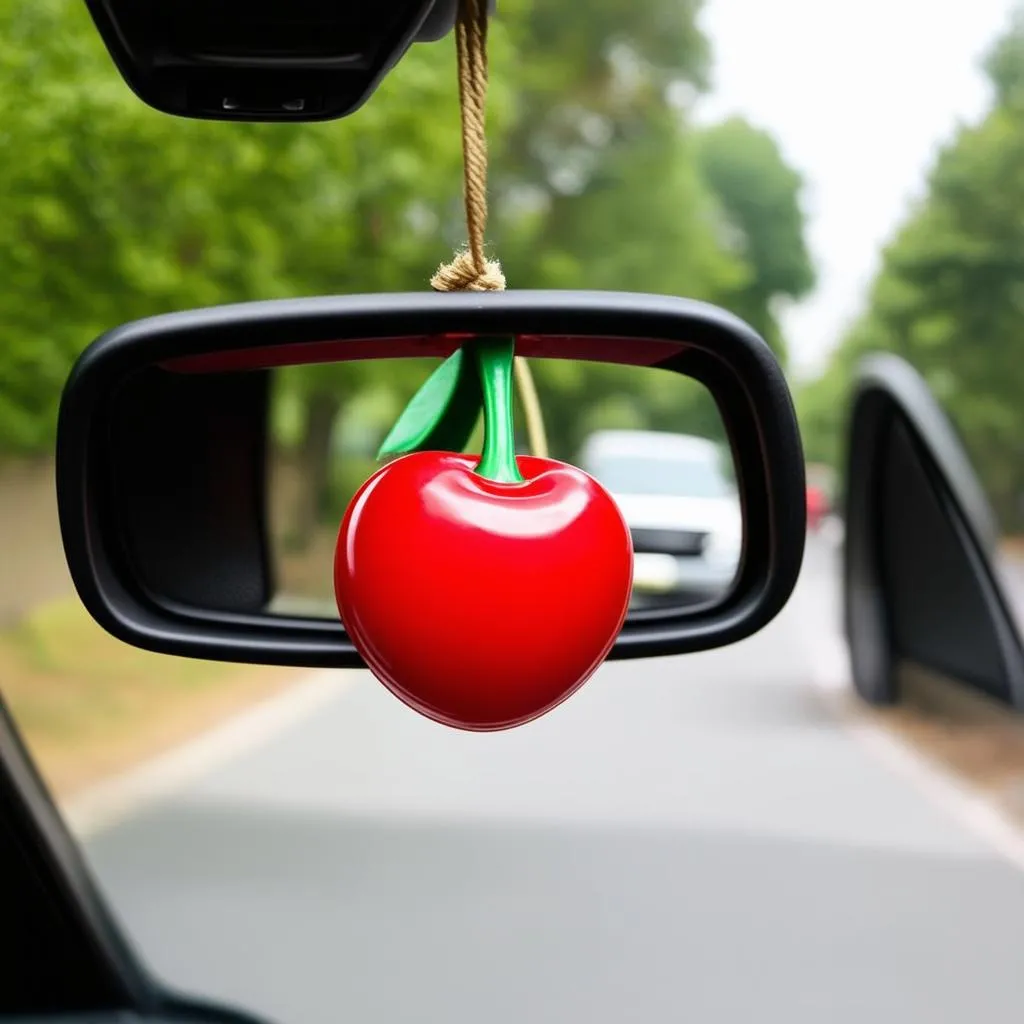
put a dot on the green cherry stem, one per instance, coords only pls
(494, 362)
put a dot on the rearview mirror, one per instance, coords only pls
(195, 524)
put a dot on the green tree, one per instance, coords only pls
(595, 182)
(949, 296)
(113, 211)
(761, 222)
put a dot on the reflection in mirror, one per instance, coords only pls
(652, 437)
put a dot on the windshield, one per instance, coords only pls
(726, 837)
(661, 475)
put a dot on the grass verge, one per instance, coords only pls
(90, 706)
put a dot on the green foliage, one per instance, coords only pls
(596, 185)
(822, 407)
(112, 211)
(950, 293)
(761, 221)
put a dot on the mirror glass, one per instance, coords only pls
(653, 437)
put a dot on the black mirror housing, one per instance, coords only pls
(162, 446)
(919, 582)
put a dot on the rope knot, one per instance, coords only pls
(464, 274)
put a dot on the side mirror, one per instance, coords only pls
(167, 486)
(919, 580)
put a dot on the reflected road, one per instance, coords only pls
(694, 838)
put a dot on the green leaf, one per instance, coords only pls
(442, 414)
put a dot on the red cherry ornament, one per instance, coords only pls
(484, 592)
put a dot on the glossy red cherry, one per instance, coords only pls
(480, 592)
(479, 603)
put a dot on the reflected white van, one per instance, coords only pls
(679, 499)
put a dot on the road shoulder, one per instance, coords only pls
(107, 802)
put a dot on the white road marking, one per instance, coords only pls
(109, 802)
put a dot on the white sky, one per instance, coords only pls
(858, 94)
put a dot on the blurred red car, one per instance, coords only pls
(817, 506)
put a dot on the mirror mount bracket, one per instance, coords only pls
(311, 60)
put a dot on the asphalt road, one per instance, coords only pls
(690, 839)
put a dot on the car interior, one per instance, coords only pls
(179, 498)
